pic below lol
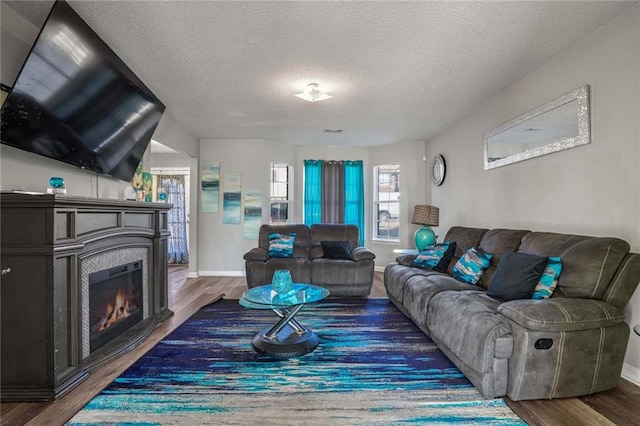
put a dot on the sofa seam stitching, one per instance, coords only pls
(564, 312)
(606, 313)
(604, 262)
(558, 364)
(614, 286)
(598, 360)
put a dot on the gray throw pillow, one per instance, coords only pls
(516, 276)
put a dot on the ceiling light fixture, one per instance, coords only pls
(312, 93)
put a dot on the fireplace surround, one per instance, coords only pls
(52, 247)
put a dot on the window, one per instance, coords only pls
(386, 193)
(280, 184)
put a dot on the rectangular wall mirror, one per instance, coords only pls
(555, 126)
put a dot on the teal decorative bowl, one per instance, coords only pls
(56, 182)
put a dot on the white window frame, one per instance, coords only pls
(389, 199)
(279, 198)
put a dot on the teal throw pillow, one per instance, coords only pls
(435, 257)
(549, 279)
(281, 245)
(471, 265)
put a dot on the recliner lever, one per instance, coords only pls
(543, 343)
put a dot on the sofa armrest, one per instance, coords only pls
(561, 314)
(406, 259)
(257, 253)
(362, 253)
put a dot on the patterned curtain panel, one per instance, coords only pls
(334, 193)
(178, 247)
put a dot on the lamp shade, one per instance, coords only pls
(425, 215)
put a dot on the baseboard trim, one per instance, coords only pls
(192, 275)
(631, 373)
(221, 273)
(379, 268)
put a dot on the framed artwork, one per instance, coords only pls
(252, 213)
(210, 185)
(137, 181)
(147, 186)
(231, 198)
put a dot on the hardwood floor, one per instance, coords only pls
(619, 406)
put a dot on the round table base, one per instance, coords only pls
(289, 343)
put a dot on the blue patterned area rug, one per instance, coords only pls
(373, 366)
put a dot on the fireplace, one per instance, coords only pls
(115, 301)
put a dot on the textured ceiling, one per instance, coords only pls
(397, 71)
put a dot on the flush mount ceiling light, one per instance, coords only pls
(312, 93)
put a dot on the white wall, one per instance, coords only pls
(252, 158)
(590, 190)
(221, 246)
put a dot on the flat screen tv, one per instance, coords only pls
(74, 100)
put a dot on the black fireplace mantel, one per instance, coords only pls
(44, 241)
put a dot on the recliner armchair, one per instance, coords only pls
(342, 277)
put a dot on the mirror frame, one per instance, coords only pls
(581, 95)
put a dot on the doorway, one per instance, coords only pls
(172, 184)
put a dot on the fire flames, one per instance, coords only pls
(117, 312)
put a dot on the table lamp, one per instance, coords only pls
(426, 216)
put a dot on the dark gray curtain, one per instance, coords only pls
(333, 192)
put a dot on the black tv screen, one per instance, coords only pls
(75, 101)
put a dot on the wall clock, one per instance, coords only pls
(438, 169)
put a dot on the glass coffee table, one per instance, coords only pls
(287, 338)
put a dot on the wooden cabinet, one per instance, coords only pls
(45, 240)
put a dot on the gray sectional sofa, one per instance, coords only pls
(342, 277)
(568, 345)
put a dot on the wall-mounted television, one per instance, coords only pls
(76, 101)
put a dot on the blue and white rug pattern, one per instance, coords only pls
(373, 366)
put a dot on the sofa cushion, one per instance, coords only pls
(396, 277)
(281, 245)
(498, 242)
(418, 291)
(516, 276)
(467, 324)
(471, 265)
(300, 245)
(465, 238)
(549, 279)
(435, 257)
(588, 263)
(336, 250)
(335, 271)
(261, 273)
(331, 232)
